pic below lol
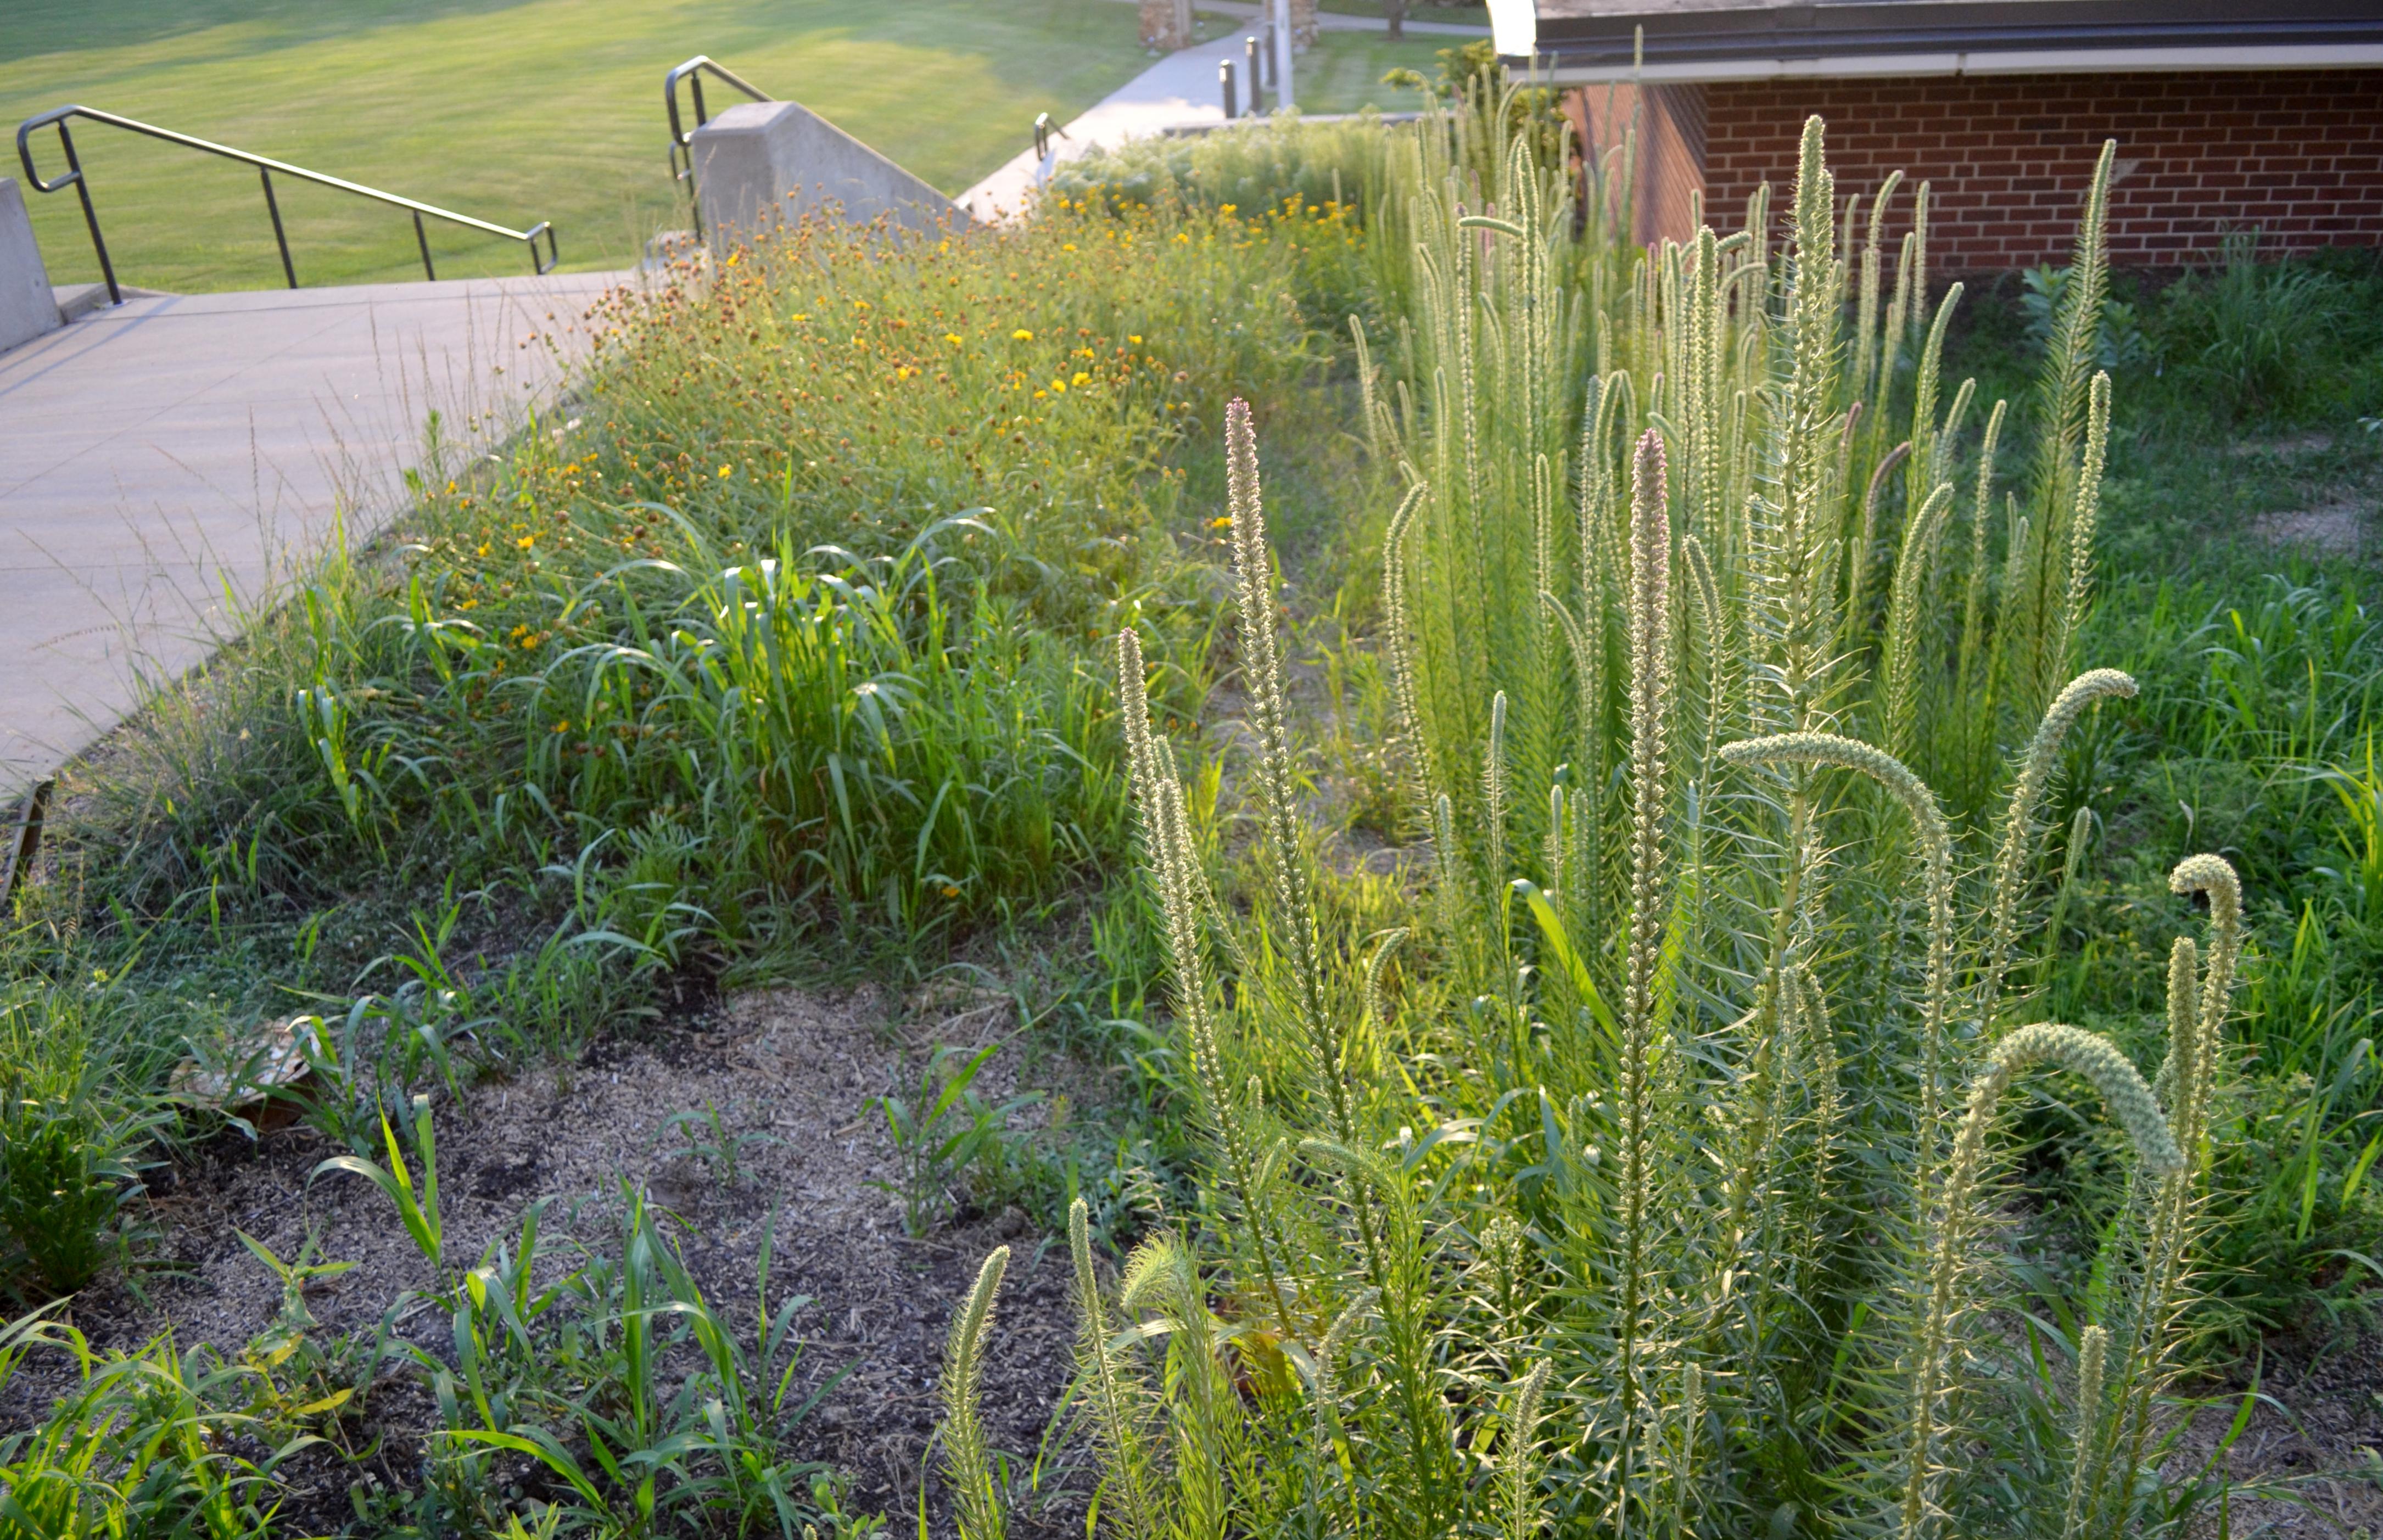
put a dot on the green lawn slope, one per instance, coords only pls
(510, 112)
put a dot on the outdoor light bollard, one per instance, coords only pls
(1250, 52)
(1266, 54)
(1224, 79)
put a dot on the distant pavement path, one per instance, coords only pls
(156, 454)
(1178, 91)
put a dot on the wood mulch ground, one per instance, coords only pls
(798, 1068)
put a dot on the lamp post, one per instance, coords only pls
(1283, 98)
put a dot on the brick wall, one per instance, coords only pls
(2297, 153)
(1667, 125)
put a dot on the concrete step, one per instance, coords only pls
(78, 299)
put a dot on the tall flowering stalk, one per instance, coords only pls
(1171, 857)
(2196, 1022)
(1650, 909)
(2131, 1105)
(2018, 828)
(1937, 856)
(1294, 904)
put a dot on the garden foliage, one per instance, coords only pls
(1647, 1178)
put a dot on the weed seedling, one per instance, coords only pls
(708, 1141)
(942, 1131)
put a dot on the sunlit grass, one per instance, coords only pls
(510, 112)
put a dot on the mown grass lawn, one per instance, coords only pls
(510, 112)
(1343, 71)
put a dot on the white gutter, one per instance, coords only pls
(2058, 61)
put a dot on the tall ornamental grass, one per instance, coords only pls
(1647, 1174)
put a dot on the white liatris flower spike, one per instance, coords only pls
(2130, 1106)
(2010, 870)
(1936, 853)
(967, 1460)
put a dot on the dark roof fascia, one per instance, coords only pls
(1602, 36)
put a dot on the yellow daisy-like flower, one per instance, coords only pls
(1224, 523)
(1021, 335)
(562, 727)
(1059, 387)
(723, 473)
(1227, 209)
(799, 315)
(1082, 378)
(953, 337)
(526, 541)
(1135, 341)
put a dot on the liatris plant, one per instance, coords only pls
(1653, 1186)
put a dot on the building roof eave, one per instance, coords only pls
(1560, 71)
(1742, 39)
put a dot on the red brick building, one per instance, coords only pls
(2228, 114)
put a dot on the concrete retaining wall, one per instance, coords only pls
(27, 307)
(760, 157)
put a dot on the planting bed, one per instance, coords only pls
(791, 1069)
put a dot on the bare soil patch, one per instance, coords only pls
(2317, 1430)
(2335, 529)
(794, 1066)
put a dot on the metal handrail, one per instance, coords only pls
(265, 168)
(681, 144)
(1043, 131)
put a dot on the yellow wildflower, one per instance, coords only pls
(1021, 335)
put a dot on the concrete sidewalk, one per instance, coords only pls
(166, 462)
(1178, 91)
